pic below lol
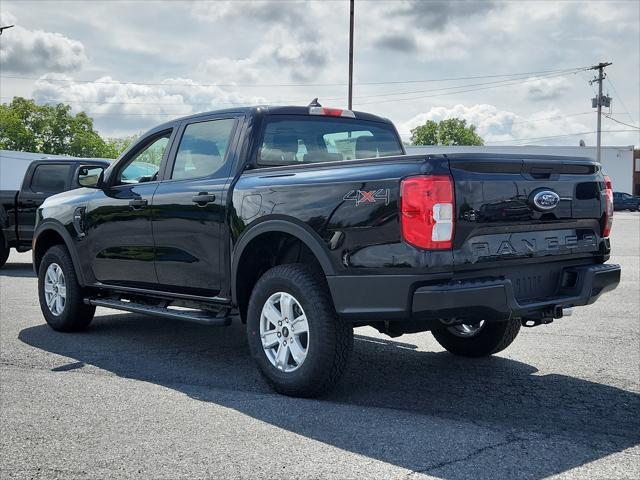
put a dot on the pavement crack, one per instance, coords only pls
(476, 453)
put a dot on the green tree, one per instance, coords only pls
(52, 129)
(453, 131)
(116, 146)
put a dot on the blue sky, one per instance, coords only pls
(143, 62)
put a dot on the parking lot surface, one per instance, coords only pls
(135, 396)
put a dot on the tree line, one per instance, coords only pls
(54, 130)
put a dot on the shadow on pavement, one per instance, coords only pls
(431, 412)
(17, 270)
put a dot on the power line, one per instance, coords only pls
(621, 123)
(519, 81)
(447, 91)
(620, 100)
(111, 82)
(557, 117)
(496, 83)
(184, 104)
(559, 136)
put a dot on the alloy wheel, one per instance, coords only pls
(284, 332)
(55, 289)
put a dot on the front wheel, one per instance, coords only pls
(478, 340)
(300, 345)
(60, 294)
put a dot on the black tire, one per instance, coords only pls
(75, 315)
(492, 338)
(330, 340)
(4, 253)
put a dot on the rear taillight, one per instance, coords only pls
(608, 209)
(427, 211)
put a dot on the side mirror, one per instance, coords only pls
(90, 176)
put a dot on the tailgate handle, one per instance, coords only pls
(541, 173)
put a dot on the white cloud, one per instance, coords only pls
(7, 18)
(243, 70)
(286, 55)
(34, 51)
(291, 11)
(122, 108)
(547, 88)
(238, 43)
(495, 125)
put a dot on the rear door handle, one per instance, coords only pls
(203, 198)
(138, 203)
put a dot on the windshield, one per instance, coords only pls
(291, 139)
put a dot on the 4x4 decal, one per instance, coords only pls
(368, 196)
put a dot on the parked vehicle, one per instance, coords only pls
(24, 185)
(305, 222)
(625, 201)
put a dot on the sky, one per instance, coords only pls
(514, 69)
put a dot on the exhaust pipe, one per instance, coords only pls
(559, 311)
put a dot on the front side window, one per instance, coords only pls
(50, 178)
(144, 165)
(290, 139)
(202, 149)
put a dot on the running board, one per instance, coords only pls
(197, 316)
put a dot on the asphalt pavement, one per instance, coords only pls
(142, 397)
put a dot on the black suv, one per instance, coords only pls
(304, 222)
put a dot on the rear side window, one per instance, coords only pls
(50, 178)
(290, 139)
(203, 149)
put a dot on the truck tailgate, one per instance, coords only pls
(500, 216)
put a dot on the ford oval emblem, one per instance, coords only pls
(546, 200)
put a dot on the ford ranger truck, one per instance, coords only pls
(305, 222)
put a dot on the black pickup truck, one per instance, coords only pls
(307, 221)
(24, 185)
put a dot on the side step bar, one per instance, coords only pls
(197, 316)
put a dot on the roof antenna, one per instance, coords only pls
(314, 103)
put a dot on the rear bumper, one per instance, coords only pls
(407, 297)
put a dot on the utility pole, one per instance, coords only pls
(351, 54)
(599, 101)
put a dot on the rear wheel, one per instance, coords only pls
(300, 345)
(60, 294)
(477, 340)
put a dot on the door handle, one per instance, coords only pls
(203, 198)
(138, 203)
(29, 203)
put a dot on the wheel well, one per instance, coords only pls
(45, 241)
(266, 251)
